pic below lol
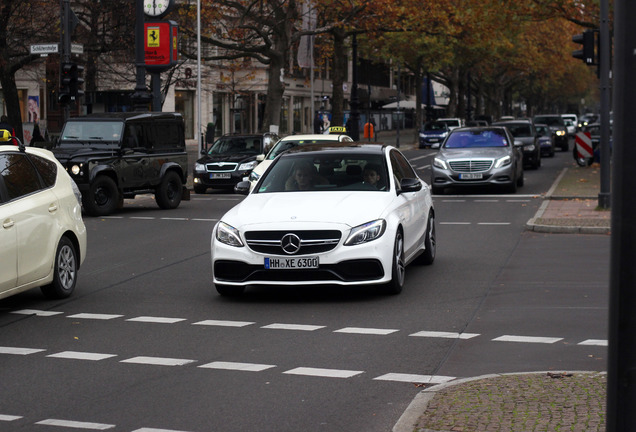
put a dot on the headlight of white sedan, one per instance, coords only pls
(366, 232)
(228, 235)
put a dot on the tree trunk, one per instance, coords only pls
(275, 90)
(12, 100)
(338, 76)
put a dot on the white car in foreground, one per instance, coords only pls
(42, 235)
(346, 214)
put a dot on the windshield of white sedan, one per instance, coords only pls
(480, 138)
(350, 172)
(91, 133)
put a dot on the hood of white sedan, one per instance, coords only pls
(349, 208)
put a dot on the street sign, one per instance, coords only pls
(50, 48)
(77, 48)
(583, 141)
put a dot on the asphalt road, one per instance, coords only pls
(146, 344)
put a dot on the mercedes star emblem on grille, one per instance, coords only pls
(290, 243)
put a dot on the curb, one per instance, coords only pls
(408, 421)
(531, 225)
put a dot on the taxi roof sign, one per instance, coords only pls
(5, 135)
(337, 129)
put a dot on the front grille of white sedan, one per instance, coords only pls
(469, 166)
(309, 242)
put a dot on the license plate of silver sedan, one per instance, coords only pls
(471, 176)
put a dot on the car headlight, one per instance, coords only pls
(248, 166)
(76, 169)
(439, 163)
(503, 161)
(228, 235)
(560, 132)
(199, 167)
(529, 147)
(422, 135)
(366, 232)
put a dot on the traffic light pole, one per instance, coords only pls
(65, 47)
(141, 98)
(621, 370)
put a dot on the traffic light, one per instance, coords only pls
(70, 82)
(587, 52)
(76, 81)
(65, 83)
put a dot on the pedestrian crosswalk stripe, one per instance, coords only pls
(301, 327)
(160, 320)
(75, 424)
(223, 323)
(448, 335)
(598, 342)
(423, 379)
(361, 330)
(159, 361)
(19, 351)
(94, 316)
(527, 339)
(325, 373)
(249, 367)
(36, 312)
(81, 355)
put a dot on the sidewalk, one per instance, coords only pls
(539, 401)
(571, 205)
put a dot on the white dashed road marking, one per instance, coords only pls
(248, 367)
(159, 320)
(94, 316)
(8, 418)
(19, 351)
(222, 323)
(423, 379)
(158, 361)
(82, 355)
(325, 373)
(371, 331)
(75, 424)
(594, 342)
(527, 339)
(448, 335)
(301, 327)
(36, 312)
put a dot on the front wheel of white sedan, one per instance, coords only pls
(398, 269)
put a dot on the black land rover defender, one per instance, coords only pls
(112, 156)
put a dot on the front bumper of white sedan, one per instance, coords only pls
(259, 260)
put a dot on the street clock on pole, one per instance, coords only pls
(157, 8)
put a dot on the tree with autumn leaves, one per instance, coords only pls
(497, 49)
